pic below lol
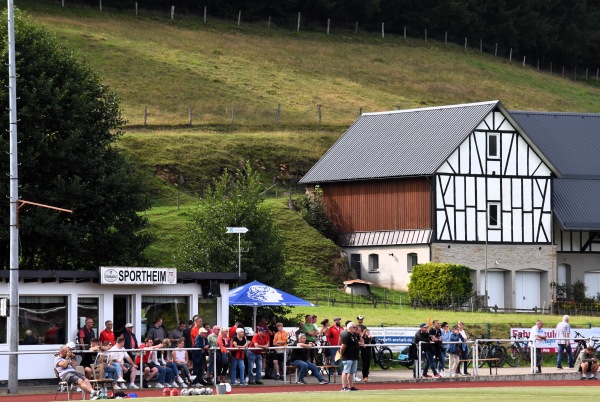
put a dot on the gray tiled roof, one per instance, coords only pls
(385, 238)
(399, 143)
(571, 141)
(576, 203)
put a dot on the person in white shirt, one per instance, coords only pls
(538, 336)
(563, 330)
(119, 356)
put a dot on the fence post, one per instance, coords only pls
(426, 36)
(510, 55)
(269, 25)
(465, 44)
(190, 113)
(383, 30)
(575, 73)
(360, 114)
(172, 13)
(319, 111)
(550, 68)
(239, 17)
(100, 5)
(586, 74)
(278, 114)
(538, 65)
(298, 21)
(145, 114)
(524, 61)
(205, 14)
(597, 72)
(481, 45)
(136, 9)
(63, 3)
(404, 33)
(328, 24)
(496, 51)
(356, 28)
(446, 38)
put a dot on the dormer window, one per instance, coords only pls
(493, 145)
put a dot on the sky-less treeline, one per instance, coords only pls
(565, 32)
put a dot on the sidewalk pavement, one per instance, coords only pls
(394, 375)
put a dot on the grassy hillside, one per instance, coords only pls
(170, 67)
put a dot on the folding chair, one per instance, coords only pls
(62, 386)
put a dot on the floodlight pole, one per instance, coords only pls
(13, 322)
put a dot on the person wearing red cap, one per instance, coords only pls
(258, 346)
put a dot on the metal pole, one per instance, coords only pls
(239, 255)
(485, 275)
(13, 321)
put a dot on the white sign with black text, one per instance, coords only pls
(137, 276)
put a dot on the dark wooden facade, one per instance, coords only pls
(393, 204)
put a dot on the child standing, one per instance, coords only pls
(453, 349)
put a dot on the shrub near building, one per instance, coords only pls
(439, 283)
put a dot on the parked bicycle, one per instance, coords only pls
(491, 350)
(382, 355)
(519, 351)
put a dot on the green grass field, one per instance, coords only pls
(449, 394)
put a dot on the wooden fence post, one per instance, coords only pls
(550, 68)
(239, 17)
(524, 61)
(383, 29)
(563, 72)
(481, 45)
(446, 38)
(205, 14)
(496, 50)
(328, 24)
(538, 65)
(575, 72)
(172, 13)
(100, 5)
(404, 33)
(145, 115)
(319, 111)
(356, 28)
(136, 9)
(586, 74)
(269, 25)
(360, 111)
(63, 3)
(426, 36)
(510, 55)
(278, 114)
(597, 72)
(298, 22)
(465, 44)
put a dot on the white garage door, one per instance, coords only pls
(495, 287)
(592, 281)
(527, 290)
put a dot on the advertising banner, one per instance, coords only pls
(550, 345)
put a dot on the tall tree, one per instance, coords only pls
(235, 200)
(68, 123)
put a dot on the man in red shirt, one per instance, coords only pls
(258, 346)
(333, 337)
(107, 334)
(196, 328)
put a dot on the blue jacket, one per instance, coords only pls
(453, 347)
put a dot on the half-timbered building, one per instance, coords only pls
(465, 184)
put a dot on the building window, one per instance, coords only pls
(87, 307)
(207, 309)
(411, 261)
(171, 309)
(493, 215)
(373, 262)
(43, 319)
(493, 146)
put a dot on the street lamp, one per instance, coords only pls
(239, 231)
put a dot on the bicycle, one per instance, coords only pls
(491, 350)
(382, 355)
(517, 352)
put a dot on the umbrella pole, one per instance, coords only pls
(254, 308)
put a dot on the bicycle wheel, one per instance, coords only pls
(513, 357)
(385, 358)
(484, 352)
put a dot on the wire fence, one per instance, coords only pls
(318, 114)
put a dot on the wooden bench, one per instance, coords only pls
(294, 370)
(489, 360)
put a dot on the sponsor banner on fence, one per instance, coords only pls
(550, 345)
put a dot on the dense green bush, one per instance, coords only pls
(439, 282)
